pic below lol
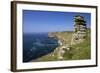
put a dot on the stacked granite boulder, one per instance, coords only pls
(79, 30)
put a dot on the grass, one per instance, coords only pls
(82, 50)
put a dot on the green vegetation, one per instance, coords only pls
(81, 51)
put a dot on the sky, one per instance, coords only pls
(50, 21)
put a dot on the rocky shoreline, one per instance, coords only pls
(63, 44)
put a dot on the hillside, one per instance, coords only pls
(65, 36)
(71, 52)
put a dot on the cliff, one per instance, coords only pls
(65, 37)
(66, 51)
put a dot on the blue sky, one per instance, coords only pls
(50, 21)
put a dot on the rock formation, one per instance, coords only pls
(79, 30)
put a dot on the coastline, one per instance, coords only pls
(66, 51)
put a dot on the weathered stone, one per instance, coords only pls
(79, 30)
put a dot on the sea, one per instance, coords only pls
(37, 45)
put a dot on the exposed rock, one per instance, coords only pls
(79, 30)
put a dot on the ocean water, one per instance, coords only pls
(37, 45)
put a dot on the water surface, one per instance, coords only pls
(37, 45)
